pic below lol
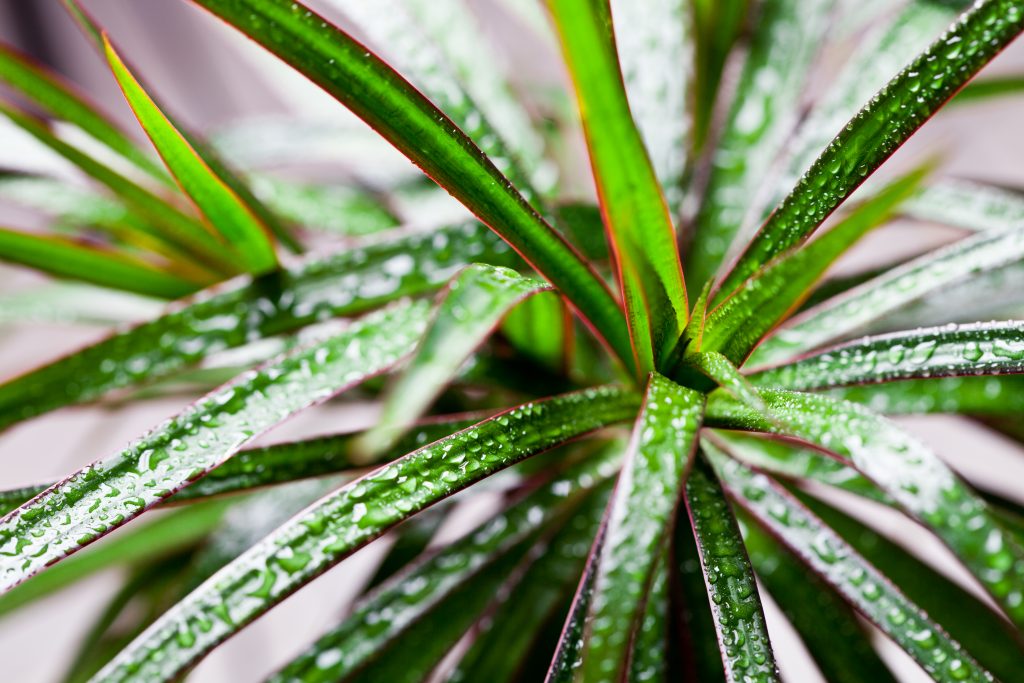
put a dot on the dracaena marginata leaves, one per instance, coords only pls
(636, 215)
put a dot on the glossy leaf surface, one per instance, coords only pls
(473, 305)
(636, 215)
(350, 518)
(359, 80)
(863, 586)
(954, 350)
(414, 595)
(639, 518)
(907, 471)
(906, 102)
(342, 284)
(739, 620)
(104, 495)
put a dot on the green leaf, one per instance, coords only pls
(417, 594)
(994, 348)
(967, 619)
(46, 90)
(878, 129)
(989, 88)
(718, 25)
(280, 464)
(828, 626)
(652, 40)
(906, 470)
(346, 210)
(639, 520)
(473, 306)
(993, 395)
(739, 620)
(343, 284)
(636, 216)
(116, 489)
(851, 575)
(373, 91)
(569, 651)
(649, 651)
(177, 229)
(67, 259)
(508, 635)
(786, 35)
(351, 517)
(855, 309)
(232, 219)
(717, 367)
(840, 566)
(880, 52)
(540, 327)
(160, 537)
(967, 205)
(736, 326)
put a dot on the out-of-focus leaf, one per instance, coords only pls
(739, 620)
(68, 259)
(653, 44)
(786, 35)
(540, 327)
(993, 395)
(840, 566)
(995, 348)
(506, 636)
(980, 630)
(377, 94)
(169, 224)
(880, 127)
(345, 283)
(906, 470)
(639, 520)
(473, 306)
(164, 535)
(967, 205)
(843, 315)
(235, 222)
(47, 91)
(827, 625)
(113, 490)
(75, 303)
(736, 326)
(989, 88)
(718, 25)
(339, 209)
(416, 595)
(568, 653)
(649, 651)
(637, 221)
(348, 519)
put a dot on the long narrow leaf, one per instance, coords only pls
(639, 518)
(343, 284)
(104, 495)
(906, 102)
(637, 221)
(232, 219)
(863, 586)
(350, 518)
(475, 302)
(980, 349)
(967, 205)
(739, 620)
(414, 594)
(786, 36)
(67, 259)
(993, 396)
(908, 472)
(359, 80)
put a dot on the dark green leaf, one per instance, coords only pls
(906, 470)
(839, 565)
(108, 493)
(636, 216)
(67, 259)
(995, 348)
(350, 518)
(359, 80)
(343, 284)
(878, 129)
(739, 620)
(639, 520)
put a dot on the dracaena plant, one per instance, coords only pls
(663, 386)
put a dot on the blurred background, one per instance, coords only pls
(228, 89)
